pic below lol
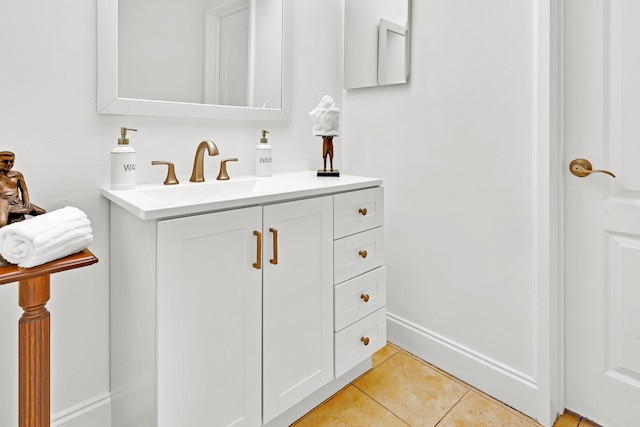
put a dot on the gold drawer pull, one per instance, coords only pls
(363, 211)
(274, 260)
(363, 254)
(258, 264)
(365, 297)
(365, 340)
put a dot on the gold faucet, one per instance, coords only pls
(197, 175)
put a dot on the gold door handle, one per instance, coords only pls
(258, 264)
(365, 297)
(582, 168)
(365, 340)
(363, 211)
(363, 254)
(274, 260)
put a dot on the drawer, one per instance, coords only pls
(357, 211)
(355, 343)
(357, 254)
(359, 297)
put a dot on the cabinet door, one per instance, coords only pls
(209, 320)
(298, 307)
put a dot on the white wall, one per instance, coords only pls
(454, 146)
(455, 149)
(47, 105)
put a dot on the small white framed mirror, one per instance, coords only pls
(376, 42)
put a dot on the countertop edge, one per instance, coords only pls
(297, 191)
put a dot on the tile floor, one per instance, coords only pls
(403, 390)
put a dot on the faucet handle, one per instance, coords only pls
(222, 175)
(171, 172)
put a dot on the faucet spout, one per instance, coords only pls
(197, 175)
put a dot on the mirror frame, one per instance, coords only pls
(384, 26)
(109, 101)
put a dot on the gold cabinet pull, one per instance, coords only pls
(363, 254)
(258, 264)
(274, 260)
(365, 340)
(365, 297)
(582, 168)
(363, 211)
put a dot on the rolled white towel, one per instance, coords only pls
(45, 237)
(326, 118)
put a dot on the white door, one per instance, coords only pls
(602, 214)
(209, 320)
(297, 302)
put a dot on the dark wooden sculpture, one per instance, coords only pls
(327, 152)
(14, 195)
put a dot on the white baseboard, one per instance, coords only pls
(503, 383)
(95, 412)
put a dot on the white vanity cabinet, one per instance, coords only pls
(209, 326)
(297, 356)
(246, 316)
(360, 277)
(217, 303)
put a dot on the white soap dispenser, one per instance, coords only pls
(263, 156)
(123, 163)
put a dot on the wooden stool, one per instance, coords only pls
(33, 334)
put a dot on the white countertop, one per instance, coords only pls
(158, 201)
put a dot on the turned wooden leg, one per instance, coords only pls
(33, 353)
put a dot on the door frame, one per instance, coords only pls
(548, 193)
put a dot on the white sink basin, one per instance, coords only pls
(157, 201)
(214, 190)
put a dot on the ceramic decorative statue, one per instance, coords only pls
(14, 196)
(326, 124)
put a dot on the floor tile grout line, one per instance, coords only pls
(452, 406)
(381, 404)
(352, 383)
(373, 398)
(503, 405)
(468, 386)
(423, 362)
(400, 351)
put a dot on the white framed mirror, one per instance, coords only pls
(376, 42)
(218, 59)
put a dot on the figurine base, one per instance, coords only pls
(328, 172)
